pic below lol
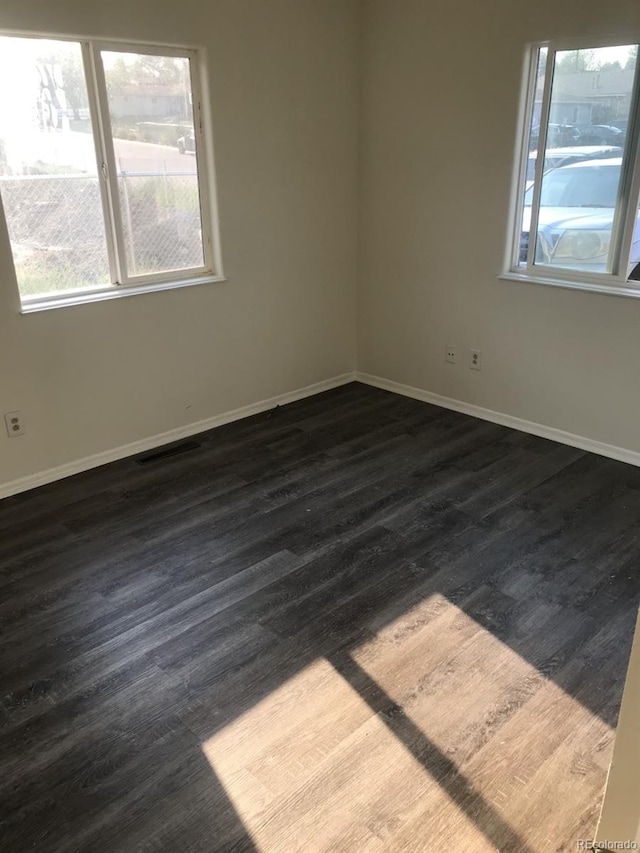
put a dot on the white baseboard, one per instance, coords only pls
(559, 435)
(41, 478)
(77, 466)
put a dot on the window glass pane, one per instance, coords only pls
(151, 111)
(48, 177)
(589, 111)
(530, 170)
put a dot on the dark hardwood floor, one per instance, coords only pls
(356, 623)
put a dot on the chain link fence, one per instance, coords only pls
(56, 226)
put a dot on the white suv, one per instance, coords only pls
(577, 206)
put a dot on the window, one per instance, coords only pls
(103, 175)
(576, 217)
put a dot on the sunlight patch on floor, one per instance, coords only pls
(312, 767)
(507, 727)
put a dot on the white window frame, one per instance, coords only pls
(615, 281)
(123, 284)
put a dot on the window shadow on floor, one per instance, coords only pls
(441, 768)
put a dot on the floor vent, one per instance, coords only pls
(166, 451)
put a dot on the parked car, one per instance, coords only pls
(622, 124)
(601, 134)
(577, 206)
(187, 143)
(556, 157)
(557, 135)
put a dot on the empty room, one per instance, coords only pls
(319, 426)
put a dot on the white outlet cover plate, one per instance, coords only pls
(11, 420)
(475, 359)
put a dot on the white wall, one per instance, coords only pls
(441, 94)
(283, 76)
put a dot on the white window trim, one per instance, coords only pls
(122, 285)
(615, 282)
(69, 298)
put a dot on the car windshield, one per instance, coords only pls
(580, 186)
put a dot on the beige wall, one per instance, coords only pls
(620, 818)
(441, 93)
(440, 96)
(284, 85)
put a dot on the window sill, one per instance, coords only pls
(589, 287)
(46, 303)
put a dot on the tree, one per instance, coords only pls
(630, 64)
(64, 71)
(610, 66)
(575, 61)
(144, 72)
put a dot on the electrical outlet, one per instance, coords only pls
(450, 354)
(14, 423)
(475, 359)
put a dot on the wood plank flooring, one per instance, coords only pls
(356, 623)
